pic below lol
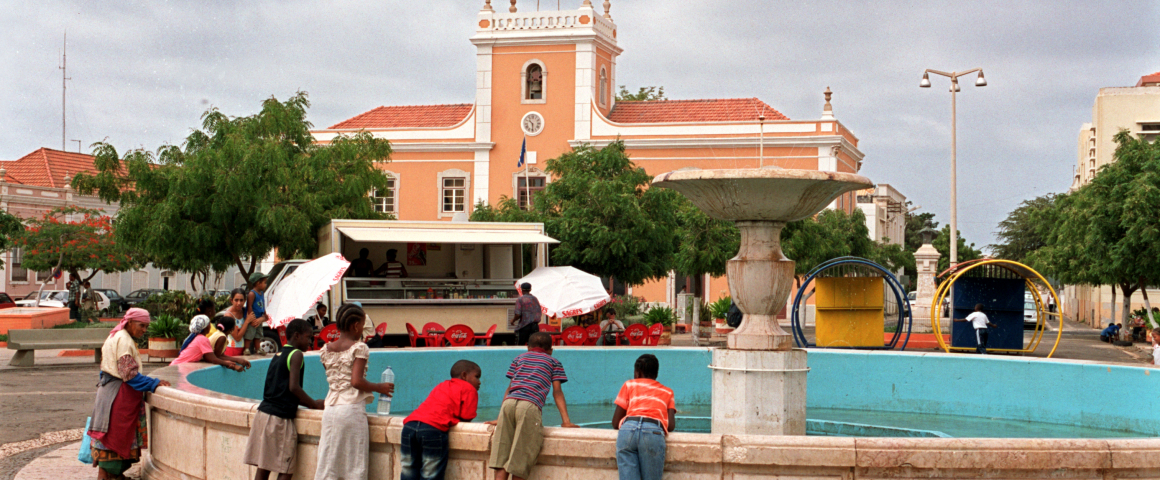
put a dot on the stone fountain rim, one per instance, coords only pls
(760, 174)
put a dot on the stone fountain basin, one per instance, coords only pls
(770, 194)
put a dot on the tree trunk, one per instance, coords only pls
(1111, 318)
(1147, 305)
(1127, 289)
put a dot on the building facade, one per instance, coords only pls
(547, 78)
(1137, 110)
(885, 210)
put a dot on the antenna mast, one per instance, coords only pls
(63, 86)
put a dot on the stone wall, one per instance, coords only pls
(195, 436)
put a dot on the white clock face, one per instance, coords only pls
(532, 124)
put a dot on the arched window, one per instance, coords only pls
(535, 82)
(603, 86)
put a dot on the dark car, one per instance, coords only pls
(138, 296)
(115, 299)
(6, 301)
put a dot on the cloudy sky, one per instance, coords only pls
(144, 72)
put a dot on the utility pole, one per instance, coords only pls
(63, 86)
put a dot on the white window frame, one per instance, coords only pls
(532, 172)
(15, 253)
(454, 173)
(394, 195)
(524, 83)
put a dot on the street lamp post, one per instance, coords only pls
(979, 82)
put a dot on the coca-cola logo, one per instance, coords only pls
(331, 336)
(574, 335)
(636, 334)
(459, 336)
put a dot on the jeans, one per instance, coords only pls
(640, 450)
(424, 452)
(981, 338)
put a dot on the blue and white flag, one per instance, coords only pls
(523, 153)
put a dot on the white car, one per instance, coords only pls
(59, 299)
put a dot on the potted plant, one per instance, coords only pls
(718, 311)
(164, 332)
(663, 316)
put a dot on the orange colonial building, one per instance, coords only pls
(548, 76)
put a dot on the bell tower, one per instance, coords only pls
(539, 75)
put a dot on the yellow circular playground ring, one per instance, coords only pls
(1029, 275)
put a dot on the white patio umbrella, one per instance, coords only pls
(566, 291)
(298, 292)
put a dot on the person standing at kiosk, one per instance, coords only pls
(393, 268)
(979, 322)
(528, 314)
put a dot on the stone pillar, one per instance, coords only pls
(926, 262)
(759, 382)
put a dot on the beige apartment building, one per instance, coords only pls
(885, 209)
(1137, 110)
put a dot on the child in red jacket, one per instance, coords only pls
(449, 403)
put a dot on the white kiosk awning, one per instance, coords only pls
(467, 236)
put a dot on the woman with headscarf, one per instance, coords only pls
(200, 350)
(118, 429)
(217, 338)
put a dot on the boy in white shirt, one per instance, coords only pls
(1156, 346)
(979, 322)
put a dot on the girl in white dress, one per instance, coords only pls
(344, 446)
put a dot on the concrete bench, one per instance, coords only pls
(27, 342)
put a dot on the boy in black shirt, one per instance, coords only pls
(273, 439)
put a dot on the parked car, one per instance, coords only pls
(115, 298)
(59, 299)
(138, 296)
(1030, 315)
(6, 301)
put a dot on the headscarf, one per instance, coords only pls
(198, 324)
(135, 315)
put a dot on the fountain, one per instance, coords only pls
(759, 381)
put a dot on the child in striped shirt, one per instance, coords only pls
(519, 433)
(645, 413)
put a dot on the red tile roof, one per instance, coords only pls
(408, 116)
(47, 167)
(709, 110)
(1153, 78)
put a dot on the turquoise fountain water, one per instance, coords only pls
(849, 393)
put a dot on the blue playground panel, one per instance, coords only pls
(1002, 300)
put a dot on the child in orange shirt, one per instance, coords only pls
(645, 413)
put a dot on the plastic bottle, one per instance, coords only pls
(384, 403)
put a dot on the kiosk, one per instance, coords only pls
(457, 272)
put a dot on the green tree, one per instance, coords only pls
(1022, 232)
(1107, 232)
(835, 233)
(967, 251)
(706, 244)
(73, 239)
(644, 94)
(10, 230)
(239, 188)
(609, 223)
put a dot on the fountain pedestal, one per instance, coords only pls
(759, 382)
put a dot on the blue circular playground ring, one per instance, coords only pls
(905, 316)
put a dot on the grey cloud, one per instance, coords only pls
(144, 72)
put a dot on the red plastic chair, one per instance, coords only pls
(636, 334)
(556, 339)
(433, 339)
(460, 336)
(654, 334)
(328, 334)
(381, 328)
(487, 338)
(575, 336)
(593, 335)
(414, 336)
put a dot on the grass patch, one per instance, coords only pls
(890, 328)
(87, 325)
(3, 337)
